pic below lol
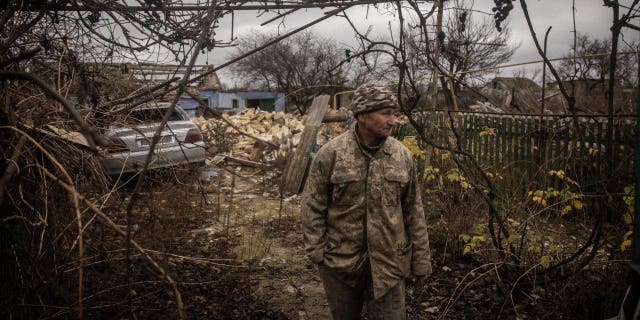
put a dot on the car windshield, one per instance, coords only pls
(152, 115)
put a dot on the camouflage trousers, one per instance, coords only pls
(346, 300)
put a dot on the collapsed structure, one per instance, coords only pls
(260, 136)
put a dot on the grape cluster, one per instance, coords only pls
(501, 11)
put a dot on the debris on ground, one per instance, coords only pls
(275, 128)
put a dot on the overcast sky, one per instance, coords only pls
(591, 18)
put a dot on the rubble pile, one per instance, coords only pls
(281, 130)
(331, 130)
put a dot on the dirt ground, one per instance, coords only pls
(264, 236)
(239, 255)
(268, 240)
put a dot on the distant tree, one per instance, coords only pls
(472, 43)
(589, 67)
(468, 43)
(373, 67)
(305, 60)
(533, 74)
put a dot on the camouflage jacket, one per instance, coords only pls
(356, 206)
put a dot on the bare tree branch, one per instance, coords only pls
(90, 133)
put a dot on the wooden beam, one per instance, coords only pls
(259, 165)
(334, 118)
(293, 174)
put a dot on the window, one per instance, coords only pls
(263, 104)
(235, 103)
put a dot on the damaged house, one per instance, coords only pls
(510, 95)
(592, 97)
(234, 102)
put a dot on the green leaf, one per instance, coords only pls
(577, 204)
(534, 249)
(545, 261)
(465, 237)
(624, 245)
(466, 250)
(478, 239)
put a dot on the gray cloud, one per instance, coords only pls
(592, 18)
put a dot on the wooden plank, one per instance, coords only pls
(523, 143)
(473, 147)
(547, 144)
(517, 141)
(446, 131)
(598, 142)
(585, 138)
(539, 125)
(508, 141)
(293, 174)
(527, 145)
(442, 135)
(259, 165)
(629, 147)
(619, 149)
(538, 145)
(552, 140)
(554, 144)
(570, 149)
(503, 144)
(467, 133)
(496, 144)
(532, 153)
(483, 139)
(335, 118)
(485, 142)
(513, 140)
(493, 141)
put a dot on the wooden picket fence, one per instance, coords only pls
(533, 144)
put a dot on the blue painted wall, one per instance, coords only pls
(223, 101)
(277, 96)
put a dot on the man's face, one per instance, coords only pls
(377, 124)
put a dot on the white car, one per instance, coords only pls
(180, 141)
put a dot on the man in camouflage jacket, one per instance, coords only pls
(362, 215)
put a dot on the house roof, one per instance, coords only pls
(517, 82)
(587, 82)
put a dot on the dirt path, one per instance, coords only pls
(268, 239)
(264, 237)
(285, 277)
